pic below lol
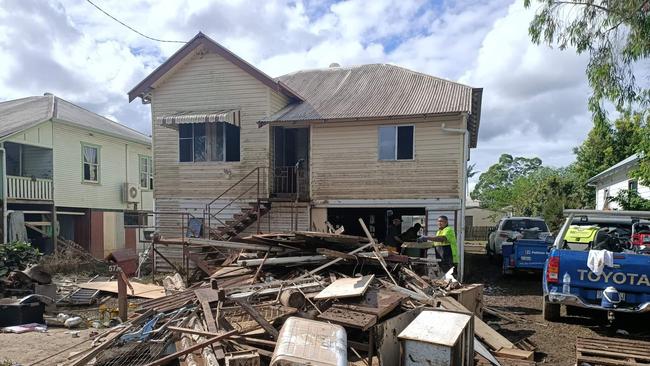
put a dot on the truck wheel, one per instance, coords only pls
(491, 255)
(550, 311)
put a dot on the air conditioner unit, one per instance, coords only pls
(130, 193)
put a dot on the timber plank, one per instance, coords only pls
(346, 287)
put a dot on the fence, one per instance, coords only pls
(478, 233)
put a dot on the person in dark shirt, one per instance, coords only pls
(393, 234)
(412, 234)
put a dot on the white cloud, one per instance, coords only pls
(534, 97)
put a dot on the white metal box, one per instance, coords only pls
(303, 342)
(439, 338)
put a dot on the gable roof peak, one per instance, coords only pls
(200, 39)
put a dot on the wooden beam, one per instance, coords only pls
(314, 271)
(258, 318)
(335, 254)
(263, 342)
(376, 250)
(176, 355)
(205, 300)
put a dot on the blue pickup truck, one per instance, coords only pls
(568, 280)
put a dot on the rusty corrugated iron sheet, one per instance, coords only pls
(375, 90)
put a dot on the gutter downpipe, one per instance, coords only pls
(5, 214)
(464, 154)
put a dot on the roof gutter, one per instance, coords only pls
(263, 123)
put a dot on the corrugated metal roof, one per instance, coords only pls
(21, 114)
(224, 115)
(630, 161)
(375, 90)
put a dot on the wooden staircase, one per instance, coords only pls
(208, 257)
(240, 221)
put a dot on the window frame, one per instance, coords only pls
(84, 145)
(633, 185)
(396, 127)
(210, 132)
(149, 173)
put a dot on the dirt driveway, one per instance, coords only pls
(520, 294)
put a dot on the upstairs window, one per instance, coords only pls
(396, 142)
(146, 172)
(90, 157)
(215, 141)
(632, 185)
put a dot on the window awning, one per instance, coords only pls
(231, 116)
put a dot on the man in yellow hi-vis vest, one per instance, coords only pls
(445, 244)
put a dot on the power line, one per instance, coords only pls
(131, 28)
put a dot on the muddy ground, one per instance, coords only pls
(521, 293)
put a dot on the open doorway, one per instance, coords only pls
(290, 162)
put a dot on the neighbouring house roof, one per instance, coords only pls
(376, 91)
(201, 40)
(21, 114)
(625, 164)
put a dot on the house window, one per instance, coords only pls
(632, 185)
(396, 142)
(606, 198)
(90, 156)
(218, 141)
(146, 172)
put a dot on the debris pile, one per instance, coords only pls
(279, 298)
(291, 298)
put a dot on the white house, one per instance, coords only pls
(611, 181)
(66, 167)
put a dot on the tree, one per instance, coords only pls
(616, 34)
(631, 200)
(526, 188)
(607, 144)
(493, 189)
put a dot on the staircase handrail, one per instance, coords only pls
(257, 169)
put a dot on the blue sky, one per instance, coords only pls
(534, 96)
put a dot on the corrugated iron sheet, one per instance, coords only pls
(226, 115)
(21, 114)
(376, 90)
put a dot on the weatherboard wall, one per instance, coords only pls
(40, 135)
(205, 82)
(614, 184)
(118, 164)
(345, 161)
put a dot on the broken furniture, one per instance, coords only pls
(26, 310)
(438, 337)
